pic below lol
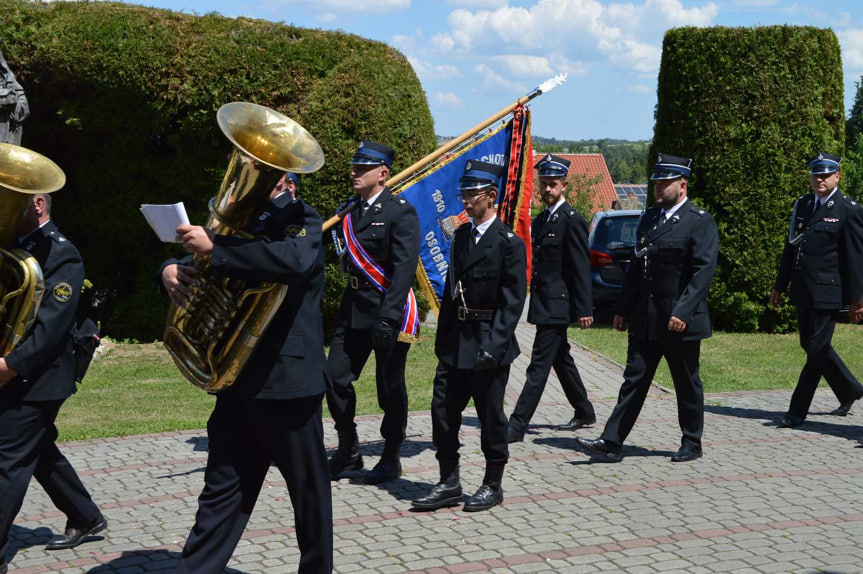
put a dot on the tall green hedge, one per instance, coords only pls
(124, 99)
(749, 105)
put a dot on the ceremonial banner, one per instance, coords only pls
(433, 194)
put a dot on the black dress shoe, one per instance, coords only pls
(513, 435)
(342, 461)
(843, 409)
(441, 495)
(75, 536)
(686, 454)
(383, 471)
(576, 423)
(790, 422)
(486, 497)
(599, 447)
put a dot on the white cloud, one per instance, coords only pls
(676, 15)
(446, 99)
(851, 42)
(492, 81)
(328, 17)
(561, 63)
(428, 71)
(525, 66)
(478, 4)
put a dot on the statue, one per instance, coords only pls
(14, 108)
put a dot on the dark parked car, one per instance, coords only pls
(611, 243)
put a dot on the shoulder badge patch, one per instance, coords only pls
(62, 292)
(295, 231)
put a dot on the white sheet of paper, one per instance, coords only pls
(164, 219)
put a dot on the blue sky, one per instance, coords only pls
(476, 56)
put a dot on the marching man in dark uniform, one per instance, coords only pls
(35, 379)
(559, 295)
(272, 413)
(475, 344)
(381, 242)
(665, 301)
(823, 261)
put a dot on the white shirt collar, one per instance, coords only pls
(482, 227)
(826, 199)
(554, 207)
(672, 210)
(370, 201)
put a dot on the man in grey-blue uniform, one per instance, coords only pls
(560, 294)
(665, 301)
(823, 261)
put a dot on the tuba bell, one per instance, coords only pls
(23, 174)
(212, 336)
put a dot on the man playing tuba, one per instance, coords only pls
(272, 412)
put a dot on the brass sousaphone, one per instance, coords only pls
(23, 174)
(214, 334)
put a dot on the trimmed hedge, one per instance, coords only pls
(750, 106)
(124, 98)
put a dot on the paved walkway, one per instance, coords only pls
(761, 500)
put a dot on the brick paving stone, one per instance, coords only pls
(762, 499)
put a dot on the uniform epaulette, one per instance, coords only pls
(849, 200)
(697, 210)
(399, 201)
(507, 232)
(57, 237)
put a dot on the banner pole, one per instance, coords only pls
(543, 88)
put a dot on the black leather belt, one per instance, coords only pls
(465, 314)
(359, 282)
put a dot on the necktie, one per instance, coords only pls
(661, 219)
(364, 207)
(817, 204)
(474, 236)
(548, 217)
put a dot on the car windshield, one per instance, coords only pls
(616, 232)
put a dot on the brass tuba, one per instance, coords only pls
(213, 335)
(23, 174)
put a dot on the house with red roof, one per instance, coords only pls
(592, 166)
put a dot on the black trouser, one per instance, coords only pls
(642, 358)
(816, 333)
(349, 351)
(452, 390)
(245, 437)
(550, 349)
(27, 449)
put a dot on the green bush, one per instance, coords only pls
(750, 106)
(124, 99)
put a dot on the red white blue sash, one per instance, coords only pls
(410, 327)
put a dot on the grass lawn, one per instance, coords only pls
(135, 389)
(738, 361)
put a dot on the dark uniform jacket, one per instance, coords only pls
(390, 233)
(493, 277)
(826, 268)
(43, 359)
(560, 278)
(288, 361)
(673, 275)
